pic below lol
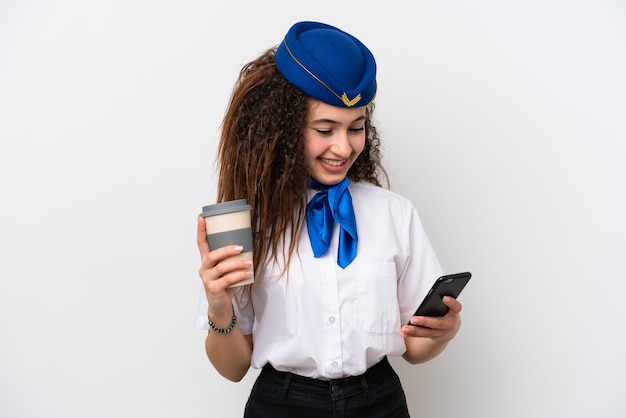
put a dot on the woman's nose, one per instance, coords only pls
(341, 145)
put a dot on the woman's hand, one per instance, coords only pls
(434, 333)
(217, 273)
(229, 353)
(442, 328)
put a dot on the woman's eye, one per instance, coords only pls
(359, 129)
(323, 131)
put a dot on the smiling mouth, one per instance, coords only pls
(334, 163)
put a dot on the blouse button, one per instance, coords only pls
(334, 364)
(329, 275)
(331, 319)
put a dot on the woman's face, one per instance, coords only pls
(333, 139)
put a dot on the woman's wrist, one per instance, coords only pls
(220, 310)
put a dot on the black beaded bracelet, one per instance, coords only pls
(223, 330)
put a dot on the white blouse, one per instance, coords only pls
(326, 322)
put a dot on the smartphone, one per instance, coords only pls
(449, 285)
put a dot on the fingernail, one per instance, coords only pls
(238, 248)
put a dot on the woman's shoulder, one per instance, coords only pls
(382, 214)
(363, 190)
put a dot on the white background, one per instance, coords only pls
(503, 122)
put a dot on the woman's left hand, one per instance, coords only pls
(442, 328)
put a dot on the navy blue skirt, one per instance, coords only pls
(377, 393)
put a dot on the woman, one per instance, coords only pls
(341, 263)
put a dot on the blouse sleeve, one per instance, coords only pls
(201, 320)
(420, 271)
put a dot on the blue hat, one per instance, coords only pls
(328, 64)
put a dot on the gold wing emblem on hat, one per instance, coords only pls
(348, 102)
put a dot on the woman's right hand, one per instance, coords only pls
(217, 273)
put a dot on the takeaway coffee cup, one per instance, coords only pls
(229, 223)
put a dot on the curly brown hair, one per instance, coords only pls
(261, 157)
